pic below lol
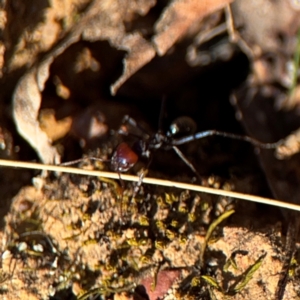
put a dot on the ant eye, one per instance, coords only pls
(182, 126)
(123, 158)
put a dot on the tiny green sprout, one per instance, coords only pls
(170, 234)
(113, 235)
(147, 257)
(296, 63)
(133, 264)
(72, 237)
(195, 281)
(85, 217)
(211, 281)
(104, 290)
(145, 260)
(34, 253)
(160, 244)
(204, 206)
(293, 266)
(142, 242)
(192, 213)
(247, 276)
(132, 242)
(90, 242)
(161, 226)
(170, 198)
(155, 277)
(65, 279)
(110, 268)
(174, 223)
(230, 263)
(132, 209)
(191, 217)
(135, 242)
(183, 240)
(182, 207)
(160, 202)
(184, 195)
(4, 277)
(211, 228)
(115, 185)
(143, 221)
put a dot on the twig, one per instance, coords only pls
(148, 180)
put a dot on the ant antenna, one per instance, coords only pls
(203, 134)
(162, 112)
(76, 161)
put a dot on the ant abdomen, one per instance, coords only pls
(182, 126)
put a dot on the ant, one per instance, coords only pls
(124, 157)
(181, 131)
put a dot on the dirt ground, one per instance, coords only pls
(71, 71)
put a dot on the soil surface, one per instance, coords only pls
(71, 71)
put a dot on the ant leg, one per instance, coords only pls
(141, 175)
(186, 161)
(122, 197)
(137, 187)
(127, 120)
(73, 162)
(203, 134)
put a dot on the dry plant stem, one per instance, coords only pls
(234, 35)
(290, 246)
(207, 36)
(148, 180)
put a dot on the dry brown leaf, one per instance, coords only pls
(39, 29)
(140, 53)
(27, 97)
(55, 129)
(26, 104)
(179, 17)
(102, 20)
(27, 100)
(290, 146)
(109, 25)
(261, 24)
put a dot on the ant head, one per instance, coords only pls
(182, 126)
(123, 158)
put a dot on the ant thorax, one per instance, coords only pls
(158, 140)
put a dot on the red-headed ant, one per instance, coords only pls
(176, 136)
(124, 157)
(180, 132)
